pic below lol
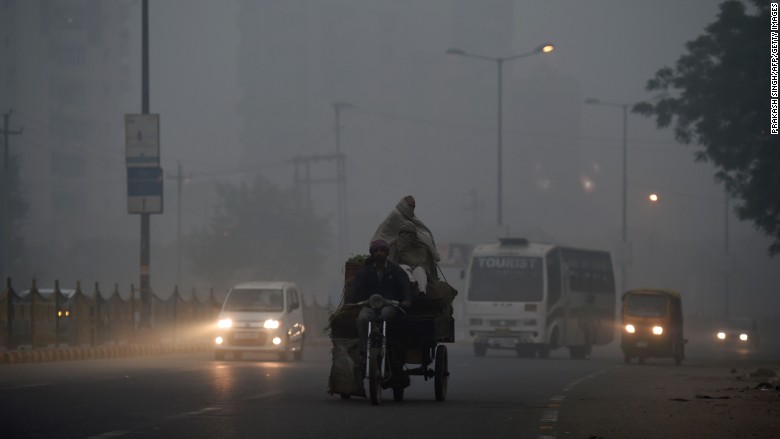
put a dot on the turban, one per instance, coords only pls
(378, 244)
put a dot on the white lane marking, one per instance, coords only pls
(26, 386)
(550, 416)
(264, 395)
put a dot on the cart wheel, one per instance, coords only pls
(441, 374)
(374, 378)
(398, 394)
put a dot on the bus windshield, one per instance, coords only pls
(506, 279)
(646, 305)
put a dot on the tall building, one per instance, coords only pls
(67, 75)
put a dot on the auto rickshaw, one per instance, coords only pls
(652, 325)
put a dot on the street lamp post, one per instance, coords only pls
(625, 245)
(544, 48)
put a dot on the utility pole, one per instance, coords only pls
(727, 256)
(179, 179)
(146, 299)
(5, 217)
(341, 181)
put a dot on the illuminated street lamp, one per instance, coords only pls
(653, 198)
(544, 48)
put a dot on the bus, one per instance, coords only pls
(536, 297)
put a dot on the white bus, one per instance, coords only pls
(534, 297)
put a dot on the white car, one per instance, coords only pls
(261, 317)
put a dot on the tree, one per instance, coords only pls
(259, 232)
(717, 96)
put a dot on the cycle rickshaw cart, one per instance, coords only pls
(424, 329)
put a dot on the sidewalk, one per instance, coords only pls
(698, 399)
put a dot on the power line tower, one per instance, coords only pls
(341, 180)
(303, 181)
(5, 205)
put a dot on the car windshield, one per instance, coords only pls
(250, 299)
(646, 305)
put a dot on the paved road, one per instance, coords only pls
(499, 396)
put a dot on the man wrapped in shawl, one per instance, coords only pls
(404, 211)
(413, 256)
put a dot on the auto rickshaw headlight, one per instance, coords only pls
(658, 330)
(743, 337)
(721, 335)
(630, 328)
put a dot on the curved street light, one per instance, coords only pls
(543, 48)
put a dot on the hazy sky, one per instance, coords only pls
(425, 123)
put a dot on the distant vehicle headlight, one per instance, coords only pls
(658, 330)
(219, 340)
(271, 324)
(743, 337)
(225, 323)
(630, 328)
(721, 335)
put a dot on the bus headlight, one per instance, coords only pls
(224, 323)
(630, 328)
(658, 330)
(271, 324)
(721, 335)
(743, 337)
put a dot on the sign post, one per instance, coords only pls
(144, 190)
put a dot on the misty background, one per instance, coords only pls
(242, 87)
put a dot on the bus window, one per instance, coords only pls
(589, 271)
(506, 279)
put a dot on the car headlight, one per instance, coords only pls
(630, 328)
(271, 324)
(225, 323)
(721, 335)
(743, 337)
(658, 330)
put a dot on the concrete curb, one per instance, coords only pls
(72, 353)
(81, 353)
